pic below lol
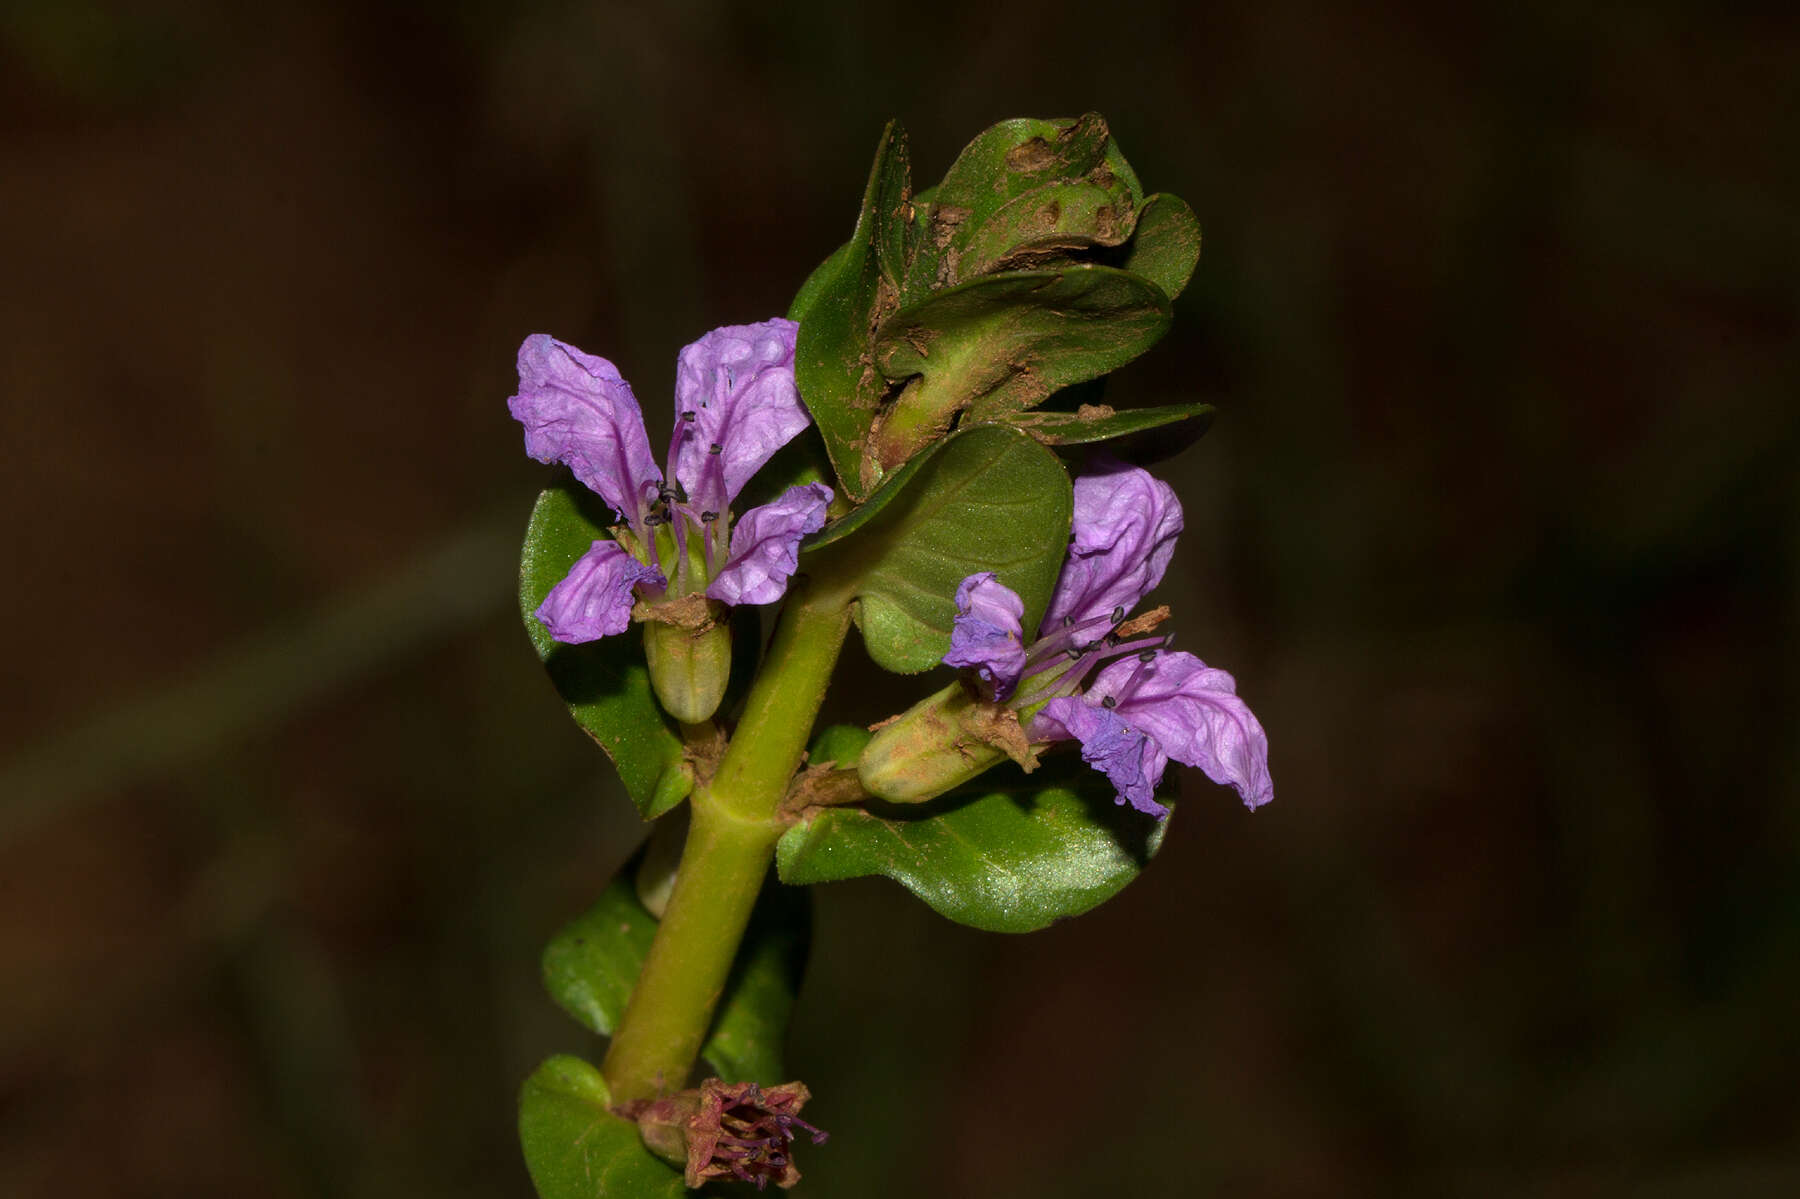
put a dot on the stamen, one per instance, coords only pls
(1118, 614)
(1148, 655)
(715, 448)
(708, 517)
(1109, 702)
(688, 416)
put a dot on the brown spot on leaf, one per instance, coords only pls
(1030, 157)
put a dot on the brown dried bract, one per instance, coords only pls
(1000, 728)
(1144, 623)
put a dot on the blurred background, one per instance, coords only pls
(1498, 529)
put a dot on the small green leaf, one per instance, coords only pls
(1093, 422)
(576, 1148)
(591, 965)
(605, 683)
(1010, 852)
(1166, 246)
(839, 304)
(1001, 343)
(990, 498)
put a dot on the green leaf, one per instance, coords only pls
(1004, 342)
(839, 304)
(1010, 852)
(591, 966)
(1055, 218)
(1166, 245)
(1098, 422)
(1003, 163)
(576, 1148)
(990, 498)
(605, 683)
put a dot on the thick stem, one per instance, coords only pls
(726, 857)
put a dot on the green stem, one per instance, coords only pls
(727, 856)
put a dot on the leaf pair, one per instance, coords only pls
(1036, 264)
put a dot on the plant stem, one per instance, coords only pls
(727, 855)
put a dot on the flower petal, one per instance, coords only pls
(1128, 757)
(1121, 539)
(578, 411)
(1194, 713)
(594, 599)
(987, 634)
(734, 388)
(765, 546)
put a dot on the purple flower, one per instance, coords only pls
(1089, 676)
(1141, 711)
(735, 405)
(986, 635)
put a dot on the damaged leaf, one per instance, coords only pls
(838, 308)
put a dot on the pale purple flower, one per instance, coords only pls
(735, 405)
(1145, 705)
(986, 635)
(1141, 711)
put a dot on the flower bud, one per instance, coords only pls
(689, 667)
(941, 742)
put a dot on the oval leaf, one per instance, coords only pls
(1004, 342)
(605, 683)
(1009, 852)
(591, 965)
(576, 1148)
(990, 498)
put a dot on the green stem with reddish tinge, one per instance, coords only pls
(727, 855)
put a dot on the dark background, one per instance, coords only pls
(1497, 528)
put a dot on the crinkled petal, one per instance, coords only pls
(594, 599)
(987, 634)
(765, 546)
(1194, 713)
(1130, 759)
(578, 411)
(1121, 539)
(734, 388)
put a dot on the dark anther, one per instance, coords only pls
(708, 517)
(1074, 651)
(687, 416)
(715, 448)
(1110, 702)
(1118, 614)
(1148, 655)
(657, 518)
(1112, 639)
(1068, 622)
(665, 493)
